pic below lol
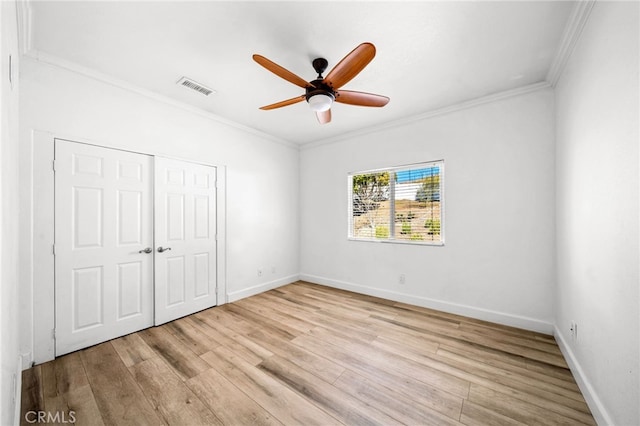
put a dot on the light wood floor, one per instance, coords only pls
(305, 354)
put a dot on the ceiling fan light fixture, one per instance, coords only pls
(320, 102)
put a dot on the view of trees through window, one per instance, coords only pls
(401, 204)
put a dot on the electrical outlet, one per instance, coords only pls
(259, 272)
(402, 279)
(574, 330)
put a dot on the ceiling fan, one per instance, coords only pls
(323, 91)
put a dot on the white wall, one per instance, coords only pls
(498, 259)
(9, 216)
(502, 255)
(597, 212)
(262, 176)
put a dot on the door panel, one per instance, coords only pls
(174, 222)
(201, 275)
(185, 217)
(130, 288)
(129, 218)
(87, 298)
(103, 218)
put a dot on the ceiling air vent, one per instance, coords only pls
(187, 82)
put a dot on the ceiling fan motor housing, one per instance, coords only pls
(321, 88)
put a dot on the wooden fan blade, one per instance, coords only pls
(282, 72)
(323, 116)
(361, 98)
(350, 65)
(284, 103)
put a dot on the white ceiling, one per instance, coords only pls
(430, 55)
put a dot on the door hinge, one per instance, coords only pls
(53, 165)
(53, 333)
(53, 249)
(11, 71)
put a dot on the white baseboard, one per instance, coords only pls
(596, 406)
(453, 308)
(17, 392)
(260, 288)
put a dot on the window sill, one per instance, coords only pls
(389, 241)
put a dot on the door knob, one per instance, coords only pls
(161, 249)
(147, 250)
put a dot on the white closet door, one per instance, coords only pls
(185, 235)
(103, 222)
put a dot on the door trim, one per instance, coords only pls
(41, 259)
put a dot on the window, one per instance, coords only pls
(399, 204)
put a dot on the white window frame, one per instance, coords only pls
(392, 212)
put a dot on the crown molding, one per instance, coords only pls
(430, 114)
(572, 32)
(55, 61)
(23, 12)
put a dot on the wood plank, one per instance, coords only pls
(191, 337)
(563, 373)
(523, 411)
(395, 404)
(317, 365)
(476, 415)
(283, 403)
(132, 349)
(229, 404)
(429, 321)
(230, 338)
(522, 373)
(174, 402)
(67, 391)
(341, 405)
(291, 300)
(466, 336)
(486, 353)
(32, 395)
(265, 323)
(438, 317)
(421, 393)
(390, 361)
(525, 391)
(334, 309)
(411, 344)
(180, 358)
(374, 301)
(417, 344)
(358, 329)
(265, 307)
(345, 302)
(523, 385)
(119, 398)
(222, 316)
(509, 337)
(428, 311)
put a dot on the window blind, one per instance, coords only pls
(398, 204)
